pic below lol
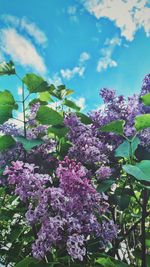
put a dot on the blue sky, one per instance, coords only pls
(84, 44)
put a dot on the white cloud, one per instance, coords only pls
(84, 57)
(80, 102)
(106, 60)
(29, 27)
(72, 12)
(56, 80)
(21, 50)
(77, 70)
(69, 74)
(19, 91)
(128, 15)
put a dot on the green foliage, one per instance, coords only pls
(141, 170)
(7, 68)
(49, 116)
(59, 130)
(71, 104)
(45, 96)
(35, 83)
(146, 99)
(28, 144)
(26, 262)
(7, 104)
(6, 141)
(105, 185)
(142, 122)
(84, 118)
(127, 149)
(60, 92)
(114, 127)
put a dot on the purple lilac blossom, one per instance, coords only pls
(67, 213)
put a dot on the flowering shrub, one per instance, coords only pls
(74, 188)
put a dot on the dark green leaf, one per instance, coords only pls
(35, 83)
(146, 99)
(105, 185)
(5, 113)
(71, 104)
(26, 262)
(127, 149)
(48, 116)
(84, 118)
(142, 122)
(141, 171)
(58, 130)
(114, 127)
(29, 144)
(7, 68)
(6, 141)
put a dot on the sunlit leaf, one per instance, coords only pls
(142, 122)
(7, 68)
(114, 127)
(146, 99)
(35, 83)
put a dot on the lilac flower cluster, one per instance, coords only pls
(86, 147)
(69, 214)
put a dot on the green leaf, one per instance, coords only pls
(105, 185)
(127, 149)
(6, 141)
(114, 127)
(5, 113)
(45, 96)
(37, 100)
(29, 144)
(123, 201)
(7, 68)
(60, 92)
(48, 116)
(142, 122)
(71, 104)
(6, 98)
(26, 262)
(84, 118)
(147, 240)
(146, 99)
(35, 83)
(58, 130)
(106, 262)
(7, 104)
(141, 171)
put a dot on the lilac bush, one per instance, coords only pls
(74, 187)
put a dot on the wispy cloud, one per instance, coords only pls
(129, 15)
(84, 57)
(79, 70)
(70, 73)
(80, 102)
(21, 50)
(106, 60)
(29, 27)
(72, 12)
